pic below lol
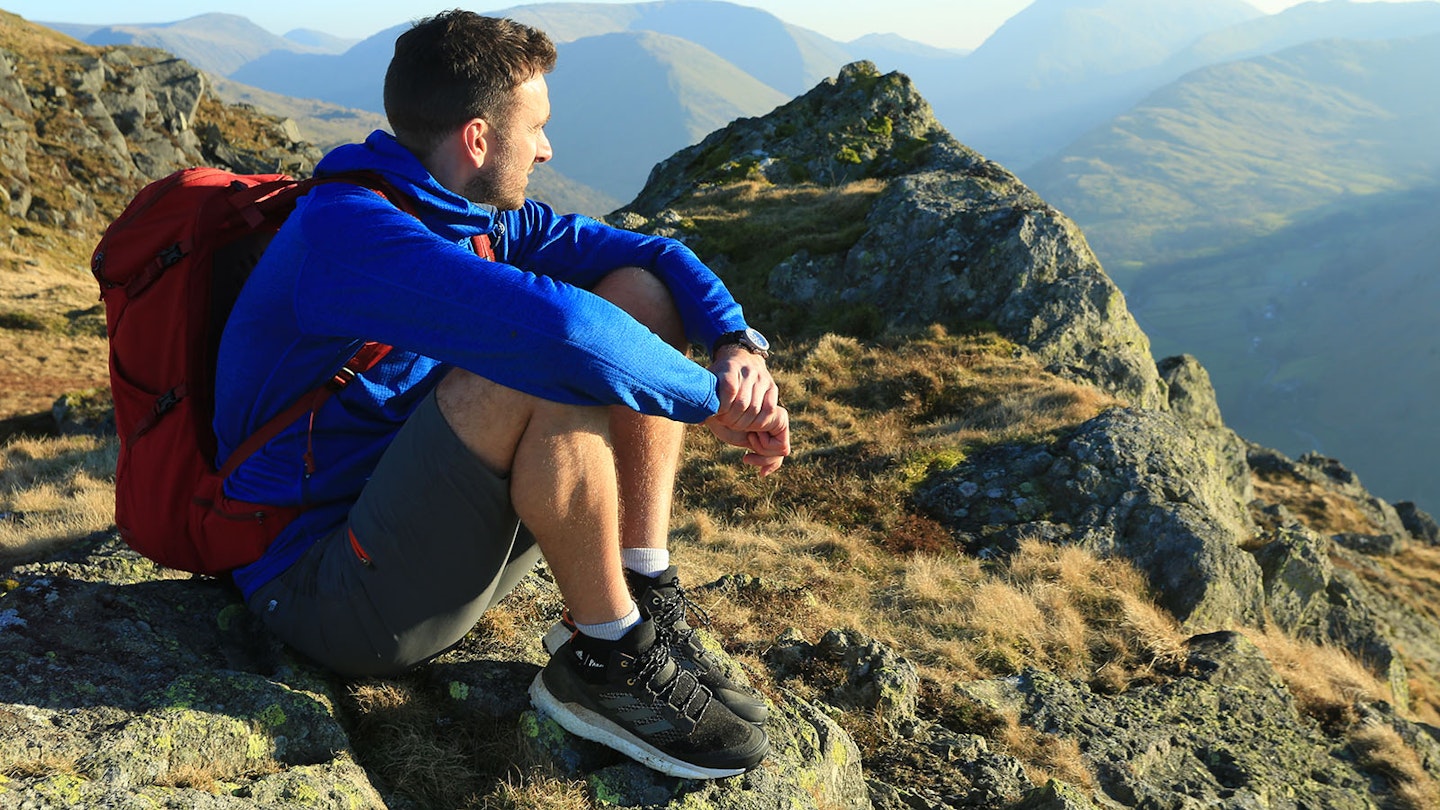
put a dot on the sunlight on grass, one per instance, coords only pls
(54, 491)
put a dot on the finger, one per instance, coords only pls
(765, 464)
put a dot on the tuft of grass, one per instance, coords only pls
(404, 735)
(1319, 509)
(1380, 749)
(754, 226)
(1046, 756)
(14, 766)
(54, 491)
(1326, 682)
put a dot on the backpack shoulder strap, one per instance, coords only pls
(371, 353)
(365, 359)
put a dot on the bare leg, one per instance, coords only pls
(562, 483)
(581, 496)
(647, 448)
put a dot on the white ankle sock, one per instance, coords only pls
(650, 562)
(612, 631)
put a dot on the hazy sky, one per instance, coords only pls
(946, 23)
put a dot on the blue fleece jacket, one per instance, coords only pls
(349, 266)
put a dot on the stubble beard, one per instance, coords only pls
(491, 189)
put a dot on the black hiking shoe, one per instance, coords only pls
(663, 600)
(630, 695)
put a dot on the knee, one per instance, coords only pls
(646, 298)
(491, 419)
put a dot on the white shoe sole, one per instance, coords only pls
(585, 723)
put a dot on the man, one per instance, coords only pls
(532, 404)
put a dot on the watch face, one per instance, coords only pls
(757, 339)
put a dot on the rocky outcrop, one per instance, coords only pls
(1225, 733)
(953, 238)
(1191, 396)
(124, 116)
(1132, 483)
(125, 684)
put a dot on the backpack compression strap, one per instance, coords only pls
(364, 360)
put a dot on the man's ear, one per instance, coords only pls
(475, 138)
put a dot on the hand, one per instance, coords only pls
(749, 415)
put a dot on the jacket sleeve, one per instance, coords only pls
(366, 270)
(580, 251)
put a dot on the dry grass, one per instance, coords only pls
(1326, 681)
(1046, 756)
(1380, 749)
(14, 767)
(1409, 578)
(405, 735)
(1329, 684)
(820, 220)
(53, 491)
(1319, 509)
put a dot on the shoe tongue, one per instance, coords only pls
(665, 579)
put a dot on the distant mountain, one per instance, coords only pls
(1321, 335)
(621, 99)
(351, 79)
(320, 41)
(1240, 150)
(1307, 22)
(786, 57)
(75, 30)
(1275, 217)
(624, 94)
(1059, 67)
(218, 43)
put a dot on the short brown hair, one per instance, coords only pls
(456, 66)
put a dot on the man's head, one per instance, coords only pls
(457, 68)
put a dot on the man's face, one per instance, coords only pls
(517, 143)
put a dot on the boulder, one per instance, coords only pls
(1131, 483)
(1191, 396)
(1418, 522)
(953, 238)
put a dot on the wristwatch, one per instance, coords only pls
(749, 339)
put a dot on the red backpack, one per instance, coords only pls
(169, 270)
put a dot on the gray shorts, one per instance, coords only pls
(432, 543)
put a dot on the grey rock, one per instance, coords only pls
(853, 672)
(877, 679)
(1224, 734)
(1191, 396)
(1420, 524)
(120, 681)
(1381, 545)
(139, 679)
(120, 118)
(1056, 795)
(1130, 483)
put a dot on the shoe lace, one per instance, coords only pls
(651, 666)
(675, 609)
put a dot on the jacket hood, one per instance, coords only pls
(440, 208)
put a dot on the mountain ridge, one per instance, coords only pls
(1011, 556)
